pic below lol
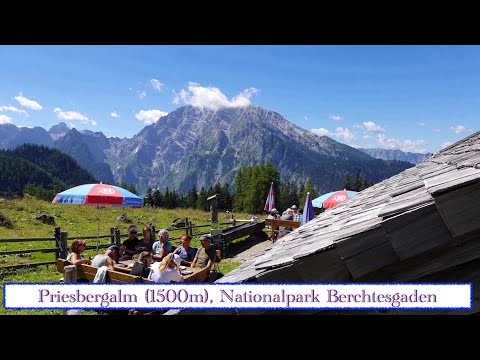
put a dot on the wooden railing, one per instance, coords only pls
(276, 223)
(60, 240)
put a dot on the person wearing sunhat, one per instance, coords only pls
(108, 259)
(167, 270)
(205, 256)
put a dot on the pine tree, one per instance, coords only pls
(347, 185)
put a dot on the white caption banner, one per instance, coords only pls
(240, 296)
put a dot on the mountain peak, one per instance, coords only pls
(59, 130)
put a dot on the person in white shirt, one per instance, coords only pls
(167, 270)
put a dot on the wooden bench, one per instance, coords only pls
(276, 223)
(88, 272)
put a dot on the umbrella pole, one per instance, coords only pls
(98, 227)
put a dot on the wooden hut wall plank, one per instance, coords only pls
(371, 260)
(441, 258)
(416, 232)
(460, 209)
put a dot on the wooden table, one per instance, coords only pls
(197, 274)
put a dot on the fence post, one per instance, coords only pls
(63, 244)
(112, 236)
(117, 237)
(56, 237)
(153, 231)
(233, 221)
(190, 228)
(70, 274)
(213, 200)
(186, 226)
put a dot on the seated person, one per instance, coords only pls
(187, 253)
(167, 270)
(108, 259)
(205, 256)
(287, 216)
(162, 247)
(147, 242)
(272, 216)
(141, 267)
(76, 249)
(129, 246)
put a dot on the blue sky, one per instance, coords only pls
(412, 98)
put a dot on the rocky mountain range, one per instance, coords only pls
(387, 154)
(192, 146)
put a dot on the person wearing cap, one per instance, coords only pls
(162, 247)
(288, 215)
(273, 214)
(108, 259)
(76, 249)
(129, 246)
(205, 257)
(167, 270)
(187, 253)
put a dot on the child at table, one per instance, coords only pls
(141, 267)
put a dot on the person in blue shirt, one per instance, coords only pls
(187, 253)
(162, 247)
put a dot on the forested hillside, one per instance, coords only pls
(40, 171)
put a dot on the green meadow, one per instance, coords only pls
(18, 220)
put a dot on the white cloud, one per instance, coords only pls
(305, 118)
(335, 118)
(366, 136)
(445, 144)
(114, 114)
(436, 130)
(29, 104)
(73, 116)
(149, 116)
(357, 126)
(342, 134)
(370, 126)
(157, 85)
(212, 98)
(142, 94)
(14, 109)
(321, 132)
(345, 135)
(417, 146)
(421, 124)
(458, 129)
(4, 119)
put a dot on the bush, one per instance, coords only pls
(5, 221)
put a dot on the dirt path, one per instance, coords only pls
(250, 247)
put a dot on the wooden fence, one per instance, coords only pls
(60, 241)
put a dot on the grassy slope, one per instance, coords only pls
(80, 221)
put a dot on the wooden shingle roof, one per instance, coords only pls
(420, 225)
